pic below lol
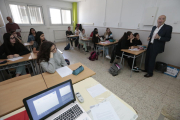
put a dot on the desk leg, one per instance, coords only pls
(141, 59)
(2, 76)
(32, 68)
(37, 68)
(103, 54)
(122, 58)
(132, 65)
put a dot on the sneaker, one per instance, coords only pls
(87, 51)
(108, 57)
(136, 69)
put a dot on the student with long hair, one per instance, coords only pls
(49, 58)
(32, 35)
(16, 36)
(136, 41)
(12, 48)
(124, 43)
(95, 37)
(82, 35)
(108, 34)
(38, 41)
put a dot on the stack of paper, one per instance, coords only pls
(96, 90)
(14, 59)
(64, 71)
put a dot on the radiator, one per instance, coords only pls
(59, 35)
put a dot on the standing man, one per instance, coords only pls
(11, 26)
(160, 34)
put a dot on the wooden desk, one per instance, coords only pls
(72, 36)
(53, 79)
(105, 46)
(13, 93)
(134, 55)
(82, 86)
(4, 63)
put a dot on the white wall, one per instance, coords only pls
(129, 15)
(46, 28)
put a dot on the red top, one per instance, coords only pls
(12, 27)
(91, 34)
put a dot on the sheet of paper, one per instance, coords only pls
(104, 111)
(123, 112)
(64, 71)
(14, 59)
(135, 49)
(96, 90)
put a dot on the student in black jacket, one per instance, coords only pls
(12, 48)
(136, 41)
(95, 38)
(69, 32)
(124, 43)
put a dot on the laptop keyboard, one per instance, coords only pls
(70, 114)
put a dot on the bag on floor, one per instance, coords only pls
(93, 56)
(115, 68)
(67, 47)
(160, 66)
(67, 61)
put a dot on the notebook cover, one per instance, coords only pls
(20, 116)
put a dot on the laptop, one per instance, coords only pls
(55, 103)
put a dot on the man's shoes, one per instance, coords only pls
(144, 70)
(147, 75)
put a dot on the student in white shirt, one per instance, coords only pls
(77, 31)
(82, 35)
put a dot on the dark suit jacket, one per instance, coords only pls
(165, 34)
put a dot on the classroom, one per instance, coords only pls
(89, 60)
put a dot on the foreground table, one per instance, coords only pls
(53, 79)
(134, 55)
(12, 94)
(82, 87)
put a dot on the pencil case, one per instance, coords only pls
(78, 70)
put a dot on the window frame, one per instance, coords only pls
(27, 11)
(61, 16)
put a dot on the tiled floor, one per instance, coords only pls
(146, 95)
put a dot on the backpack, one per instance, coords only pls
(93, 56)
(67, 47)
(115, 68)
(67, 61)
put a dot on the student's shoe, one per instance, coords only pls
(136, 69)
(147, 75)
(87, 51)
(108, 57)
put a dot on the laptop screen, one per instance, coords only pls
(48, 101)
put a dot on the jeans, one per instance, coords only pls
(21, 69)
(84, 44)
(106, 50)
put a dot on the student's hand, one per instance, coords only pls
(16, 55)
(10, 56)
(132, 47)
(51, 54)
(157, 36)
(148, 39)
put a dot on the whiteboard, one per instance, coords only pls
(150, 15)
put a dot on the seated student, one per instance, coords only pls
(32, 35)
(16, 36)
(108, 34)
(77, 31)
(124, 43)
(49, 58)
(136, 41)
(69, 32)
(95, 37)
(81, 36)
(12, 48)
(38, 41)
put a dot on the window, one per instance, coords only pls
(66, 16)
(1, 20)
(35, 15)
(59, 16)
(19, 14)
(55, 15)
(26, 14)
